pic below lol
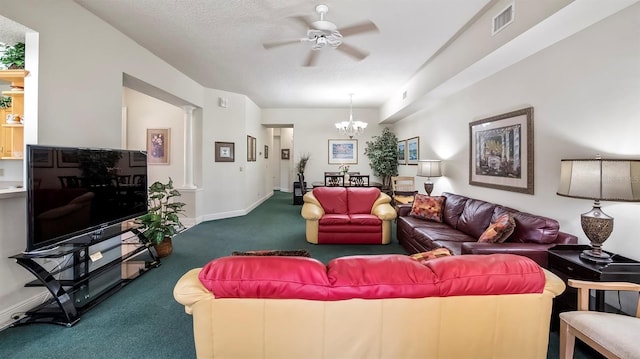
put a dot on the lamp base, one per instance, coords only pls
(590, 256)
(428, 187)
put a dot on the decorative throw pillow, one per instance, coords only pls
(436, 253)
(499, 230)
(293, 253)
(427, 207)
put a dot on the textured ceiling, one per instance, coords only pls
(218, 43)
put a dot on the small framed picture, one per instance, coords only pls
(158, 146)
(251, 148)
(225, 152)
(266, 151)
(284, 154)
(413, 150)
(402, 152)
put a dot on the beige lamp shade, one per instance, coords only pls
(600, 179)
(429, 168)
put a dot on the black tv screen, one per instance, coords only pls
(73, 192)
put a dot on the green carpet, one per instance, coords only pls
(144, 321)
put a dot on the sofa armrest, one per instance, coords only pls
(566, 238)
(311, 209)
(404, 209)
(189, 290)
(535, 251)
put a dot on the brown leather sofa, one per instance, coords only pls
(464, 219)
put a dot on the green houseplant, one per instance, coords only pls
(383, 155)
(13, 56)
(5, 102)
(161, 222)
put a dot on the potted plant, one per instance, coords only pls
(302, 163)
(383, 156)
(13, 56)
(5, 102)
(161, 223)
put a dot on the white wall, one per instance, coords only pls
(585, 93)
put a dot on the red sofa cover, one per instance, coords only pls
(371, 277)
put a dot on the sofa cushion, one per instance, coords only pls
(360, 200)
(499, 230)
(334, 219)
(475, 217)
(332, 199)
(531, 228)
(364, 219)
(427, 207)
(265, 277)
(453, 206)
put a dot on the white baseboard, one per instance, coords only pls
(8, 314)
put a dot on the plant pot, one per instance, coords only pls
(164, 248)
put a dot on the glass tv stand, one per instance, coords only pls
(86, 272)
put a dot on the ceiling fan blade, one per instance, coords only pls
(302, 20)
(362, 27)
(312, 58)
(352, 51)
(270, 45)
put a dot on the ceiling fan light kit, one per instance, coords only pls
(323, 33)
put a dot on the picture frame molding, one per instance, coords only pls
(524, 142)
(220, 155)
(349, 155)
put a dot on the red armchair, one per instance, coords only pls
(359, 215)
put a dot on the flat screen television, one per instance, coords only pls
(73, 194)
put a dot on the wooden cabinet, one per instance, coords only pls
(12, 132)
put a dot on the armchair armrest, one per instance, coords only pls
(585, 286)
(311, 209)
(382, 208)
(189, 290)
(404, 209)
(535, 251)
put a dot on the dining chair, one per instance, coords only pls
(358, 180)
(403, 189)
(333, 180)
(612, 335)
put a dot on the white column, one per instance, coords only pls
(188, 147)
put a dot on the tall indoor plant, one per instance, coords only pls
(383, 155)
(161, 223)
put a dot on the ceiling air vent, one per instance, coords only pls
(502, 20)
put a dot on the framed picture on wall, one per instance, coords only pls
(225, 152)
(402, 152)
(266, 151)
(413, 150)
(284, 154)
(251, 148)
(343, 152)
(501, 151)
(158, 146)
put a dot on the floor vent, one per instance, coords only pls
(502, 20)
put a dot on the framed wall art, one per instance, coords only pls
(284, 154)
(501, 151)
(225, 152)
(251, 148)
(402, 152)
(158, 146)
(343, 152)
(413, 150)
(266, 151)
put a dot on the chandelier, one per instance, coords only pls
(351, 128)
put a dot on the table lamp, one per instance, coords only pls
(429, 168)
(600, 180)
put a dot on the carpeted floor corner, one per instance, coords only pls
(143, 320)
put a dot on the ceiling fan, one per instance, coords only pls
(323, 33)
